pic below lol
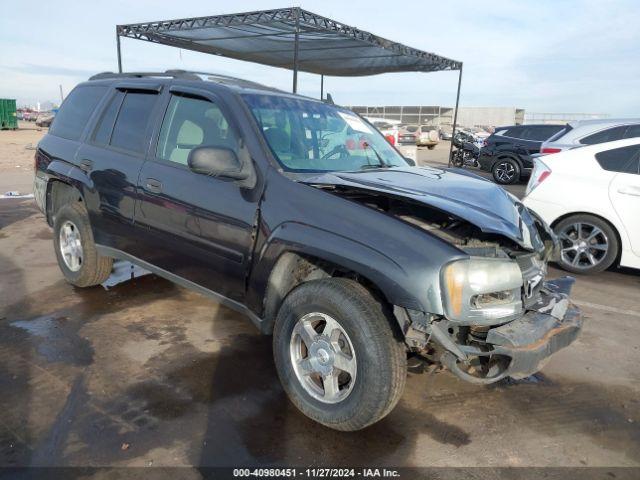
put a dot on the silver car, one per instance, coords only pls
(590, 132)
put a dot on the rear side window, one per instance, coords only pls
(540, 134)
(608, 135)
(76, 110)
(632, 131)
(102, 135)
(130, 129)
(624, 160)
(514, 132)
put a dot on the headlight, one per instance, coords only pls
(482, 290)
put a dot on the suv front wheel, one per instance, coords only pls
(76, 252)
(336, 354)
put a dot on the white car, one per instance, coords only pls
(387, 127)
(591, 198)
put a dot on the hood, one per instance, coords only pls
(457, 192)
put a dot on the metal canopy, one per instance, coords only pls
(290, 38)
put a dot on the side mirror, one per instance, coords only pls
(216, 162)
(410, 161)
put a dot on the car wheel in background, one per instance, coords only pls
(588, 244)
(337, 355)
(506, 171)
(76, 252)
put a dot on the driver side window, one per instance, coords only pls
(191, 122)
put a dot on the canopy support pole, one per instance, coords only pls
(119, 52)
(295, 50)
(455, 114)
(321, 87)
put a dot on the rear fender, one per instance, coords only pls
(69, 174)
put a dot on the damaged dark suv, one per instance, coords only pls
(300, 215)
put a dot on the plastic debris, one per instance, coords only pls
(16, 194)
(123, 271)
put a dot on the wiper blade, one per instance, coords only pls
(382, 164)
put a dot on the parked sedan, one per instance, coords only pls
(446, 133)
(44, 120)
(591, 198)
(507, 152)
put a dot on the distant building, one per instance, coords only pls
(443, 116)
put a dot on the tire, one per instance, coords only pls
(431, 147)
(84, 267)
(379, 355)
(594, 240)
(457, 159)
(506, 171)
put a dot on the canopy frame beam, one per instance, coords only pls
(303, 26)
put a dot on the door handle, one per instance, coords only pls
(630, 190)
(86, 165)
(153, 185)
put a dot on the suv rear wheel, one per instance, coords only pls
(336, 354)
(76, 252)
(506, 171)
(588, 244)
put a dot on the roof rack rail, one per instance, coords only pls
(183, 74)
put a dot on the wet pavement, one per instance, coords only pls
(147, 373)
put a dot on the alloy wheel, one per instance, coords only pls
(323, 357)
(505, 172)
(71, 246)
(583, 245)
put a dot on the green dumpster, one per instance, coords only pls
(8, 116)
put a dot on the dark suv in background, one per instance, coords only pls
(507, 152)
(300, 215)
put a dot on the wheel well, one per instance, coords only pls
(59, 194)
(508, 157)
(613, 227)
(293, 269)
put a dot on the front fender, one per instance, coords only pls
(397, 284)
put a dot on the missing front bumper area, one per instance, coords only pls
(513, 356)
(516, 349)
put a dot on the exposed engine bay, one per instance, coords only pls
(479, 349)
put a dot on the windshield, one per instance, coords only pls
(308, 136)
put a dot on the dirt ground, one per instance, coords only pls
(16, 157)
(150, 374)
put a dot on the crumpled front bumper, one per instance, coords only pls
(549, 325)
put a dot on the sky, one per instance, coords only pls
(545, 56)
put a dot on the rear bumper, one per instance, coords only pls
(526, 343)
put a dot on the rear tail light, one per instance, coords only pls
(391, 139)
(539, 174)
(550, 150)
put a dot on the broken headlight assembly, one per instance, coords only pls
(482, 291)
